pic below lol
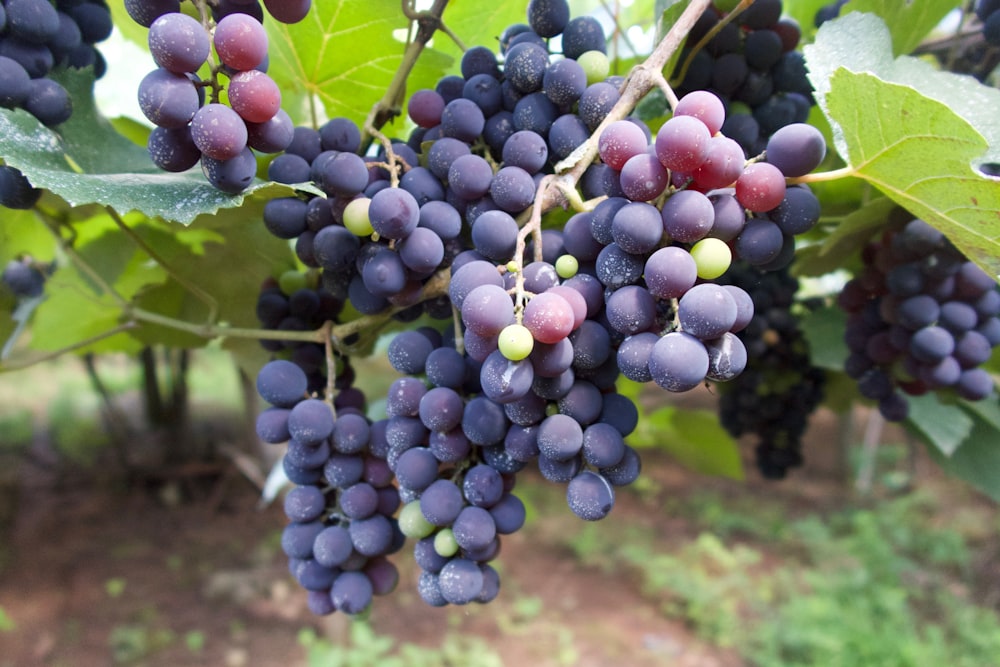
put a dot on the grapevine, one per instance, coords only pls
(540, 230)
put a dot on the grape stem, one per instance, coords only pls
(532, 226)
(48, 356)
(331, 367)
(821, 176)
(389, 106)
(640, 81)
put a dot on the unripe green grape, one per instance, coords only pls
(595, 65)
(567, 266)
(412, 522)
(515, 342)
(511, 266)
(445, 544)
(292, 281)
(356, 217)
(711, 257)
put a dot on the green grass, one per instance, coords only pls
(882, 587)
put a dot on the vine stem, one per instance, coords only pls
(532, 227)
(387, 108)
(48, 356)
(641, 80)
(821, 176)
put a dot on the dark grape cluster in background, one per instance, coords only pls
(773, 398)
(751, 63)
(39, 37)
(921, 317)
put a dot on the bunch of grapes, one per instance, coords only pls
(189, 130)
(752, 64)
(546, 321)
(24, 278)
(341, 510)
(773, 398)
(988, 11)
(38, 37)
(921, 317)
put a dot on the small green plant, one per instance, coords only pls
(366, 648)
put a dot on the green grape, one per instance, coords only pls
(595, 65)
(412, 522)
(567, 266)
(292, 281)
(711, 257)
(515, 342)
(445, 543)
(356, 217)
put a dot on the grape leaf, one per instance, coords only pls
(977, 458)
(894, 125)
(86, 161)
(695, 439)
(944, 426)
(908, 21)
(862, 43)
(344, 55)
(824, 330)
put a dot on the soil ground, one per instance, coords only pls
(190, 573)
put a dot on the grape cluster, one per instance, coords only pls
(921, 317)
(190, 129)
(988, 11)
(341, 510)
(773, 398)
(24, 278)
(546, 321)
(38, 37)
(751, 63)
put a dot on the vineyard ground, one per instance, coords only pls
(94, 572)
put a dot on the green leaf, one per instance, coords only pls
(86, 161)
(908, 21)
(344, 54)
(667, 12)
(478, 24)
(944, 426)
(848, 238)
(862, 43)
(896, 122)
(977, 459)
(824, 330)
(696, 440)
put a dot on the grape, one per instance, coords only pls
(687, 216)
(460, 581)
(479, 60)
(796, 149)
(931, 344)
(564, 81)
(583, 34)
(670, 272)
(241, 42)
(682, 143)
(590, 496)
(631, 309)
(167, 99)
(441, 409)
(567, 134)
(310, 421)
(525, 66)
(705, 106)
(230, 176)
(408, 352)
(548, 18)
(616, 268)
(549, 317)
(620, 141)
(15, 83)
(761, 187)
(759, 242)
(712, 258)
(596, 102)
(15, 190)
(49, 102)
(503, 380)
(678, 362)
(288, 11)
(643, 178)
(173, 149)
(483, 486)
(474, 528)
(463, 120)
(178, 43)
(727, 357)
(722, 166)
(32, 20)
(535, 113)
(218, 132)
(255, 97)
(595, 64)
(144, 12)
(394, 213)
